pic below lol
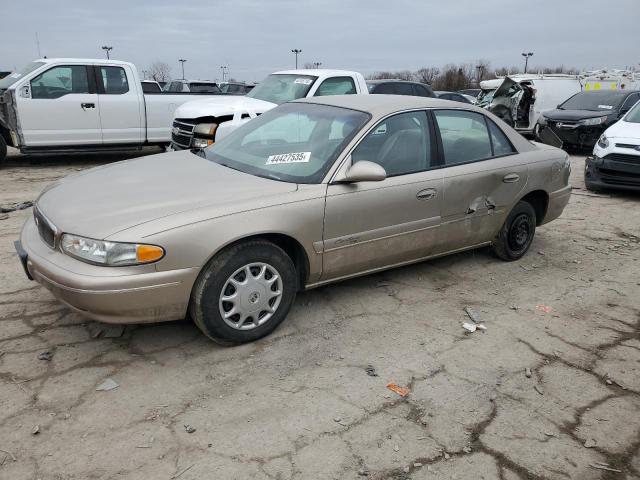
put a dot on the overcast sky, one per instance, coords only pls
(255, 37)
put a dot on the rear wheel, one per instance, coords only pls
(517, 233)
(244, 292)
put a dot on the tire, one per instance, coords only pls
(228, 273)
(3, 150)
(517, 233)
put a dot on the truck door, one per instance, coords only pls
(121, 105)
(60, 107)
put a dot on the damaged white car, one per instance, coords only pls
(519, 100)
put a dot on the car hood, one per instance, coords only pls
(574, 115)
(102, 201)
(622, 129)
(222, 105)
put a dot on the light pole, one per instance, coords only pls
(526, 60)
(480, 70)
(225, 71)
(107, 49)
(317, 64)
(296, 51)
(182, 60)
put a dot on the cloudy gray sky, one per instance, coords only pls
(255, 37)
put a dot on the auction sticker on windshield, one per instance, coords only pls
(300, 157)
(303, 81)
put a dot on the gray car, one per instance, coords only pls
(309, 193)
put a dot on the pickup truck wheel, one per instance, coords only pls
(517, 233)
(244, 292)
(3, 149)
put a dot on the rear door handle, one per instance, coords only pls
(511, 178)
(427, 194)
(88, 105)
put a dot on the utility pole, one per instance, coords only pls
(317, 64)
(225, 71)
(182, 60)
(297, 52)
(144, 74)
(526, 60)
(107, 50)
(480, 73)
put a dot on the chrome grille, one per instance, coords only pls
(182, 133)
(46, 229)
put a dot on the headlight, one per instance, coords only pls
(594, 121)
(109, 253)
(206, 128)
(603, 142)
(204, 134)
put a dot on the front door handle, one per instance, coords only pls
(511, 178)
(88, 105)
(427, 194)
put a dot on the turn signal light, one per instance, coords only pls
(148, 253)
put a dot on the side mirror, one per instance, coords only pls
(25, 91)
(363, 171)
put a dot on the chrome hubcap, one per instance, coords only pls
(250, 296)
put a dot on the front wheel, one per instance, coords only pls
(244, 292)
(3, 150)
(517, 233)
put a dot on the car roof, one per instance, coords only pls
(316, 72)
(389, 80)
(381, 105)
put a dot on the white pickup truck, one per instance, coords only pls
(82, 105)
(199, 123)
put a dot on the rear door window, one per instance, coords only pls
(420, 91)
(114, 80)
(336, 86)
(59, 81)
(384, 89)
(464, 135)
(500, 142)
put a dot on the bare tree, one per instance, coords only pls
(427, 74)
(160, 71)
(399, 75)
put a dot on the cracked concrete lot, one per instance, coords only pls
(300, 404)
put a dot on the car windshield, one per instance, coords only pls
(485, 97)
(12, 78)
(596, 101)
(634, 114)
(195, 87)
(279, 88)
(296, 142)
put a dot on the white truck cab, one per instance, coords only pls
(200, 123)
(82, 105)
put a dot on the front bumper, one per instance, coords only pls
(580, 136)
(107, 294)
(615, 171)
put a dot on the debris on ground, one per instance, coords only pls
(527, 372)
(47, 356)
(337, 419)
(538, 389)
(473, 315)
(472, 327)
(36, 430)
(16, 206)
(417, 464)
(403, 392)
(107, 385)
(604, 466)
(396, 448)
(544, 308)
(189, 429)
(514, 307)
(446, 456)
(363, 472)
(466, 449)
(3, 216)
(406, 469)
(10, 454)
(371, 371)
(182, 471)
(590, 443)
